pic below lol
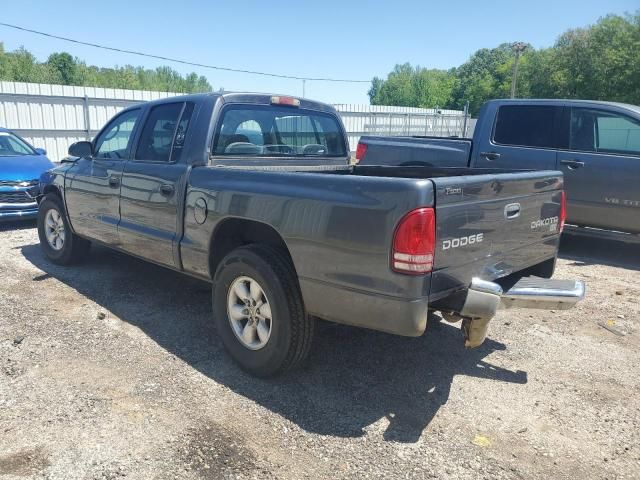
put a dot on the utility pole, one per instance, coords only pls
(304, 85)
(518, 48)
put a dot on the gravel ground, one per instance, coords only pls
(113, 369)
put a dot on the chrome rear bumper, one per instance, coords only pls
(533, 292)
(484, 298)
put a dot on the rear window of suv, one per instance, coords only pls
(526, 126)
(269, 131)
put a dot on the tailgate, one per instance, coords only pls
(489, 226)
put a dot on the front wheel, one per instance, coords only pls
(58, 242)
(258, 311)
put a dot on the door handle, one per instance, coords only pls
(572, 164)
(114, 182)
(167, 189)
(512, 211)
(490, 155)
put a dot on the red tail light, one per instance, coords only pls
(563, 209)
(414, 242)
(361, 150)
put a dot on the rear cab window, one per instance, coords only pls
(527, 126)
(269, 131)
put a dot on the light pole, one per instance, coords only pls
(518, 48)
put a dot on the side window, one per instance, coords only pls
(526, 126)
(156, 139)
(595, 130)
(115, 141)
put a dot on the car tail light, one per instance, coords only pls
(414, 242)
(361, 150)
(291, 101)
(563, 209)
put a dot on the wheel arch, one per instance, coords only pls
(232, 233)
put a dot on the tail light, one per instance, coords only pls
(563, 209)
(414, 242)
(361, 150)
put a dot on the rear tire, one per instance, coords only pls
(58, 242)
(268, 342)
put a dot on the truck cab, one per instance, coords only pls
(595, 144)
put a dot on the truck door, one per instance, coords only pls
(602, 169)
(153, 185)
(522, 137)
(92, 187)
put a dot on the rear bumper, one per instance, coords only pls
(399, 316)
(18, 211)
(484, 298)
(546, 293)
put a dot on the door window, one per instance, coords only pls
(600, 131)
(526, 126)
(115, 141)
(156, 139)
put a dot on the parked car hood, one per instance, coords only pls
(23, 167)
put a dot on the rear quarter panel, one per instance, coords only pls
(338, 228)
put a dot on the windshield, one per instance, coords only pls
(10, 146)
(262, 130)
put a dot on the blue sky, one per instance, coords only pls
(323, 38)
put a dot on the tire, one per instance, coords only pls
(290, 329)
(72, 249)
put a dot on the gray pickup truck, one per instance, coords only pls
(595, 144)
(256, 194)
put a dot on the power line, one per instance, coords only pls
(183, 62)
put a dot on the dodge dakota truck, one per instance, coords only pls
(595, 144)
(257, 195)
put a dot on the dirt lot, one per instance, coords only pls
(113, 369)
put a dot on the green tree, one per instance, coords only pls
(412, 87)
(62, 68)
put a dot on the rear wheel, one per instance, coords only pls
(258, 311)
(58, 242)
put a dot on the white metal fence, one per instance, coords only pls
(54, 116)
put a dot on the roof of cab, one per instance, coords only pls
(245, 97)
(566, 101)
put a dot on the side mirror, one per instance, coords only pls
(41, 151)
(81, 149)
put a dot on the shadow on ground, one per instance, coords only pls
(591, 251)
(354, 377)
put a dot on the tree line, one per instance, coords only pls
(63, 69)
(598, 62)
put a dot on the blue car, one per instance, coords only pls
(20, 168)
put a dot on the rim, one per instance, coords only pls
(249, 313)
(54, 229)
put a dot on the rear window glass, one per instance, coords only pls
(267, 131)
(525, 126)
